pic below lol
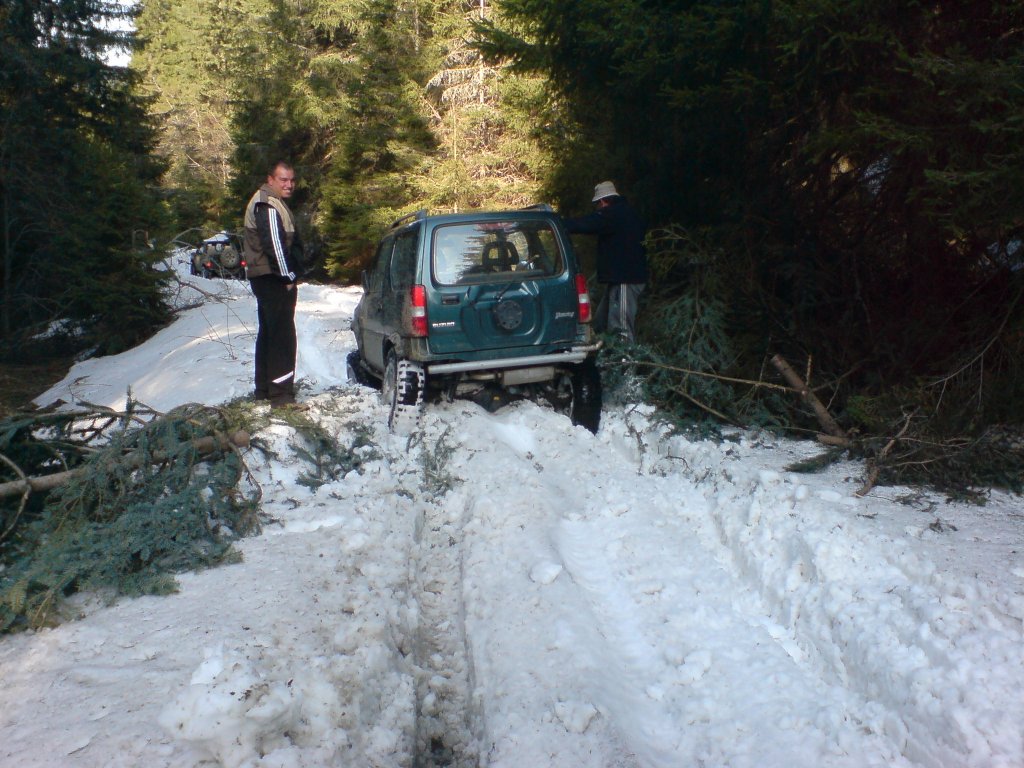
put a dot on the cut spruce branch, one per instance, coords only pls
(820, 411)
(874, 464)
(835, 436)
(204, 446)
(126, 517)
(704, 407)
(707, 375)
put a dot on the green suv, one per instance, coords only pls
(489, 306)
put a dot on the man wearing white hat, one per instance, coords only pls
(621, 258)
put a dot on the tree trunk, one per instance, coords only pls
(821, 413)
(203, 445)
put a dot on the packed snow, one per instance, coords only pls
(505, 589)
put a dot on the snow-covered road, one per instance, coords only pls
(665, 605)
(508, 590)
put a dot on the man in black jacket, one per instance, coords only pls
(272, 251)
(621, 258)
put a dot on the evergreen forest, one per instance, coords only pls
(834, 183)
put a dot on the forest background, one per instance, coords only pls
(838, 182)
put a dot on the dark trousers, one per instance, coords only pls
(275, 340)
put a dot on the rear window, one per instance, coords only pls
(495, 251)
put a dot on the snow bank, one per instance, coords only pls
(872, 612)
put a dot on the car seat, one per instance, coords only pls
(499, 257)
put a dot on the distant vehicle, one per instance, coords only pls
(489, 306)
(218, 256)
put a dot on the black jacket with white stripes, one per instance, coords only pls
(271, 243)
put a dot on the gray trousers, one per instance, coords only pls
(616, 312)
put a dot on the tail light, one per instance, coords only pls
(418, 310)
(583, 298)
(242, 263)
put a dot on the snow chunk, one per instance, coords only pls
(694, 667)
(231, 710)
(545, 572)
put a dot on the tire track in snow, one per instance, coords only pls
(687, 642)
(871, 616)
(444, 720)
(642, 664)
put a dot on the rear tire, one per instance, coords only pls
(585, 409)
(402, 390)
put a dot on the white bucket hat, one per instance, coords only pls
(604, 189)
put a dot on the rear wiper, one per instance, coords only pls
(504, 290)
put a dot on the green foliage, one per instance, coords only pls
(435, 462)
(856, 171)
(687, 343)
(145, 505)
(485, 118)
(690, 335)
(384, 108)
(76, 179)
(370, 181)
(182, 64)
(329, 458)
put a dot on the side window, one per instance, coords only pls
(375, 277)
(403, 262)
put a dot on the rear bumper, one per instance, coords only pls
(572, 357)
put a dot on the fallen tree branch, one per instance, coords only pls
(704, 406)
(820, 411)
(203, 445)
(716, 376)
(24, 498)
(127, 517)
(834, 441)
(873, 466)
(38, 483)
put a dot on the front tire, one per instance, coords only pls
(357, 373)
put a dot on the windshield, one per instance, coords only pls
(496, 251)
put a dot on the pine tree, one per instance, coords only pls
(386, 141)
(184, 67)
(75, 176)
(860, 164)
(483, 116)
